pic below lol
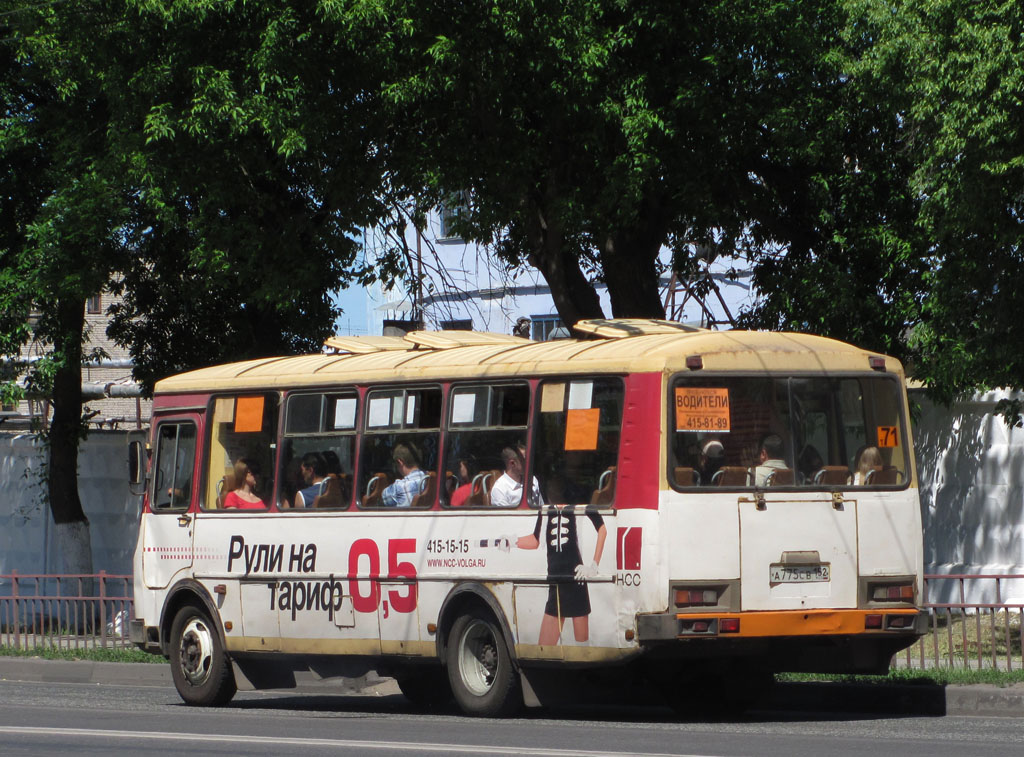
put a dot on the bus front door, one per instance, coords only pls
(168, 525)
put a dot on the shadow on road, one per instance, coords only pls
(788, 702)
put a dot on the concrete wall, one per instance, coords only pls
(971, 469)
(27, 541)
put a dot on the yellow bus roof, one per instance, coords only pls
(615, 346)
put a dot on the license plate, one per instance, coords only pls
(798, 574)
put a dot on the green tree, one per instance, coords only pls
(961, 61)
(590, 133)
(195, 159)
(919, 251)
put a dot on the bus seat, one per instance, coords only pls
(832, 475)
(428, 492)
(374, 489)
(490, 478)
(225, 485)
(478, 493)
(332, 493)
(604, 494)
(730, 475)
(887, 476)
(780, 477)
(686, 476)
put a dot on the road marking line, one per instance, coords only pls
(347, 743)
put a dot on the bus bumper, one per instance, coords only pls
(787, 624)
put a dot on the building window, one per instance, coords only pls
(454, 207)
(546, 328)
(462, 324)
(92, 305)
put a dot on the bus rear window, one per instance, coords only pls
(758, 432)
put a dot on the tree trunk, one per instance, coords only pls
(575, 298)
(629, 260)
(632, 277)
(63, 438)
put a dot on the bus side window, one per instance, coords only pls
(318, 454)
(400, 448)
(174, 465)
(576, 448)
(241, 426)
(483, 420)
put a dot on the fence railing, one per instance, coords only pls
(981, 633)
(65, 611)
(92, 611)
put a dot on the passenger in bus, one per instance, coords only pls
(333, 462)
(244, 496)
(468, 470)
(809, 462)
(411, 479)
(712, 457)
(868, 459)
(314, 471)
(508, 489)
(769, 459)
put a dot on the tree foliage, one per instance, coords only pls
(194, 158)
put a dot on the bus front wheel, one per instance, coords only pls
(199, 666)
(480, 670)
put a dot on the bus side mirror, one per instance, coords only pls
(136, 466)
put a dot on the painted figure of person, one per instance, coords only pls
(568, 596)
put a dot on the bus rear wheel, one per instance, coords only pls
(483, 680)
(199, 665)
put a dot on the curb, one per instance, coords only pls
(981, 700)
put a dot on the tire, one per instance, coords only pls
(199, 666)
(480, 671)
(426, 687)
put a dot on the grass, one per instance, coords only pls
(984, 634)
(917, 677)
(93, 655)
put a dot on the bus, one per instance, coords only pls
(483, 517)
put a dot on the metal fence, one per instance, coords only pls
(65, 611)
(981, 633)
(92, 611)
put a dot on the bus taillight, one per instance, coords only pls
(696, 597)
(729, 625)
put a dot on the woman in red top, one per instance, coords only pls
(244, 497)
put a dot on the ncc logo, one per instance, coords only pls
(627, 548)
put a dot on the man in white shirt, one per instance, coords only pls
(772, 450)
(508, 489)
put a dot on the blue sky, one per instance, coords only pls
(355, 303)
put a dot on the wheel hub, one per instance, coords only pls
(196, 652)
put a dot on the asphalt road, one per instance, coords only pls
(60, 718)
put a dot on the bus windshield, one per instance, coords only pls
(755, 431)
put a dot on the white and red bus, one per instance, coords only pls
(475, 514)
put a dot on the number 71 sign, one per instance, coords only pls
(887, 436)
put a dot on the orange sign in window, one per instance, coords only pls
(248, 414)
(887, 436)
(702, 409)
(581, 428)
